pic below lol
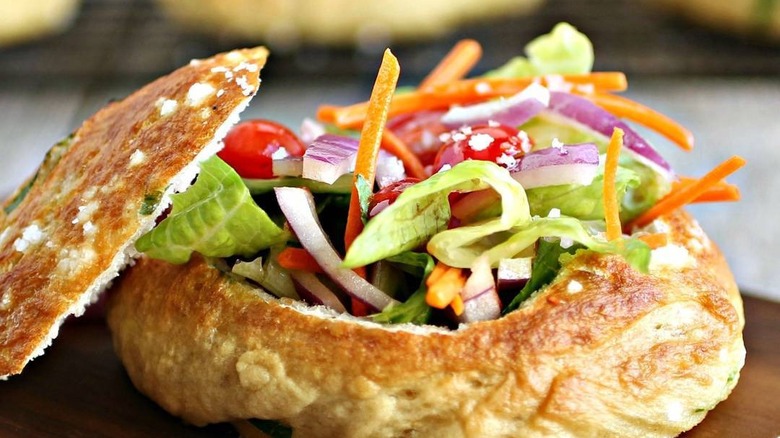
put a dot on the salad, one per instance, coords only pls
(451, 202)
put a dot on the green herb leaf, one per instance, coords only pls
(216, 217)
(414, 310)
(365, 192)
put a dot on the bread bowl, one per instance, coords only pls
(634, 330)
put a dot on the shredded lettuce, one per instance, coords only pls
(216, 217)
(423, 210)
(563, 50)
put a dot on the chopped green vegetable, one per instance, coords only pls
(423, 210)
(215, 217)
(414, 310)
(364, 191)
(150, 203)
(563, 50)
(343, 185)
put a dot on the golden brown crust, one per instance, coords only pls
(73, 231)
(628, 355)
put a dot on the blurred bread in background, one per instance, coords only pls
(753, 19)
(287, 23)
(24, 20)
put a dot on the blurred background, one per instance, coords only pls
(710, 64)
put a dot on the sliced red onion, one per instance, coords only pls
(329, 157)
(514, 273)
(560, 164)
(310, 130)
(585, 112)
(512, 111)
(288, 166)
(312, 290)
(297, 204)
(480, 299)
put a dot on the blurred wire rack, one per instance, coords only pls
(117, 39)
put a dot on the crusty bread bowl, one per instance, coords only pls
(625, 354)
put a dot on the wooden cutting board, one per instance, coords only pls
(79, 389)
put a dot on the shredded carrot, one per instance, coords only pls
(624, 107)
(438, 270)
(455, 65)
(461, 92)
(370, 139)
(397, 147)
(457, 305)
(611, 204)
(720, 192)
(690, 192)
(655, 240)
(445, 288)
(298, 259)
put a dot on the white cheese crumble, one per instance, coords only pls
(72, 260)
(480, 142)
(444, 168)
(137, 157)
(507, 160)
(674, 411)
(220, 92)
(574, 287)
(483, 88)
(246, 66)
(246, 89)
(30, 236)
(89, 228)
(672, 256)
(167, 106)
(525, 141)
(85, 212)
(198, 93)
(7, 300)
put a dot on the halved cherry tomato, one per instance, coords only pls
(390, 193)
(249, 147)
(480, 142)
(420, 131)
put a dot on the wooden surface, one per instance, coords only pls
(79, 389)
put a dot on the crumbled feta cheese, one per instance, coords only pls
(246, 89)
(566, 242)
(137, 157)
(574, 287)
(444, 168)
(7, 300)
(30, 236)
(480, 142)
(219, 69)
(508, 160)
(674, 411)
(525, 142)
(167, 106)
(198, 92)
(205, 113)
(220, 92)
(557, 144)
(245, 66)
(71, 260)
(483, 88)
(673, 256)
(89, 228)
(85, 212)
(557, 83)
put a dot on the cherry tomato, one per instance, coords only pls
(249, 147)
(420, 131)
(390, 193)
(480, 142)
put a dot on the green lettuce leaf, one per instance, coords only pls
(414, 310)
(547, 264)
(581, 201)
(563, 50)
(216, 217)
(423, 210)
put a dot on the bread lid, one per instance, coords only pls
(69, 231)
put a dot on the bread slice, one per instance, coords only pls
(602, 351)
(70, 230)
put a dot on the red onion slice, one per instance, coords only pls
(560, 164)
(297, 204)
(329, 157)
(311, 289)
(480, 299)
(512, 111)
(514, 273)
(288, 166)
(585, 112)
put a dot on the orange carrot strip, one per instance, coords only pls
(455, 65)
(722, 191)
(687, 194)
(624, 107)
(370, 139)
(298, 259)
(397, 147)
(441, 293)
(457, 305)
(460, 92)
(439, 270)
(611, 204)
(655, 240)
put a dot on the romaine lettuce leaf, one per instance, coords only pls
(563, 50)
(216, 217)
(423, 210)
